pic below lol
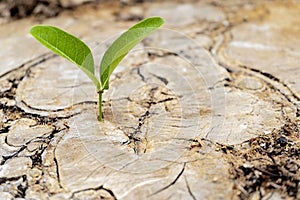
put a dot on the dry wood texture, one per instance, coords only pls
(205, 108)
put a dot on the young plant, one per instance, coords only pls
(76, 51)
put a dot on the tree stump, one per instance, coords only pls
(205, 108)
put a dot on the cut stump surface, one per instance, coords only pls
(188, 114)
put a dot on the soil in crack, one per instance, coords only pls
(268, 163)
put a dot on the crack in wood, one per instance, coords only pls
(60, 109)
(138, 71)
(272, 77)
(57, 172)
(55, 159)
(172, 183)
(161, 53)
(162, 79)
(268, 78)
(31, 63)
(36, 158)
(23, 71)
(21, 188)
(101, 187)
(189, 189)
(216, 49)
(47, 139)
(134, 138)
(15, 154)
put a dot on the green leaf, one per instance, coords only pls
(122, 45)
(67, 46)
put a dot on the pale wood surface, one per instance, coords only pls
(219, 73)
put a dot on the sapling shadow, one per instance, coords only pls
(76, 51)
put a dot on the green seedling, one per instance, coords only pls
(76, 51)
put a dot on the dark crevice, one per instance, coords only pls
(11, 110)
(21, 188)
(95, 189)
(272, 77)
(66, 127)
(189, 189)
(122, 98)
(6, 179)
(36, 158)
(4, 129)
(138, 71)
(40, 59)
(228, 69)
(110, 192)
(21, 72)
(165, 100)
(14, 112)
(134, 137)
(267, 75)
(85, 102)
(60, 109)
(57, 172)
(162, 54)
(150, 103)
(180, 126)
(18, 113)
(172, 183)
(40, 109)
(164, 80)
(15, 154)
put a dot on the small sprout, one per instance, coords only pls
(77, 52)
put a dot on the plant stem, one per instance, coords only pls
(100, 105)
